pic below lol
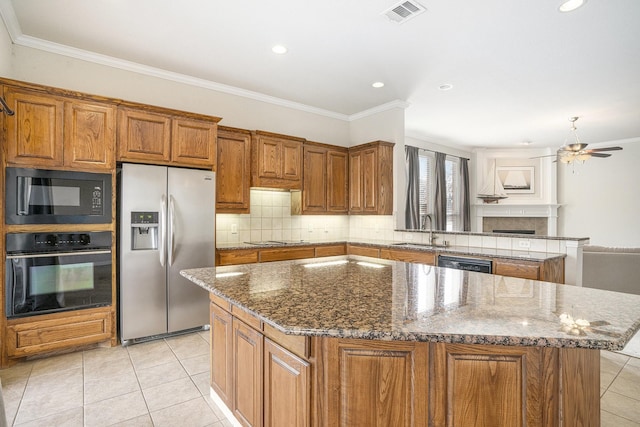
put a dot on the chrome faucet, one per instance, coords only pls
(423, 226)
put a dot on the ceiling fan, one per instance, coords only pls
(578, 151)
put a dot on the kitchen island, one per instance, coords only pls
(362, 341)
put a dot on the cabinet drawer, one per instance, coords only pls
(521, 269)
(33, 337)
(332, 250)
(233, 257)
(267, 255)
(421, 257)
(364, 251)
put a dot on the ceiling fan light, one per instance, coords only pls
(583, 156)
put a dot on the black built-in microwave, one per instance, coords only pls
(41, 196)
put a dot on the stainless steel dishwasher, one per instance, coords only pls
(464, 263)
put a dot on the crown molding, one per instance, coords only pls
(15, 32)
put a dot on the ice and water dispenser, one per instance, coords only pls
(144, 230)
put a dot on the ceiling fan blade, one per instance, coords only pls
(599, 155)
(596, 150)
(541, 157)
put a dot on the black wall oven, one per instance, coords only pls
(53, 272)
(41, 196)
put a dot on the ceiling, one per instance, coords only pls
(519, 68)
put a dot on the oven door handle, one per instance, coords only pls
(59, 254)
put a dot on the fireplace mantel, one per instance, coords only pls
(549, 211)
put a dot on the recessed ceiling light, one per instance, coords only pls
(526, 143)
(279, 49)
(445, 86)
(571, 5)
(378, 85)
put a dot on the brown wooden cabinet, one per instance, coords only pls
(221, 353)
(276, 161)
(287, 387)
(233, 170)
(247, 373)
(407, 255)
(259, 372)
(547, 270)
(375, 383)
(493, 385)
(267, 254)
(47, 333)
(55, 131)
(324, 182)
(89, 135)
(149, 136)
(371, 179)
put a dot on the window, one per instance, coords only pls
(427, 188)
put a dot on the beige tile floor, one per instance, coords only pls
(166, 383)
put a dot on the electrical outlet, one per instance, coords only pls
(234, 228)
(525, 244)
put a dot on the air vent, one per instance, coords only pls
(404, 11)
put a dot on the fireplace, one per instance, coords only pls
(542, 219)
(515, 225)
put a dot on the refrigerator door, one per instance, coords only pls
(143, 297)
(190, 244)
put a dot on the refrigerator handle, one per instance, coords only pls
(161, 237)
(171, 230)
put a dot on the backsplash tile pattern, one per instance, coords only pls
(271, 219)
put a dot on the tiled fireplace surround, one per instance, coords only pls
(271, 219)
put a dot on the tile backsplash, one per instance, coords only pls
(271, 219)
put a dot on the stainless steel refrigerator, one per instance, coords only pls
(166, 224)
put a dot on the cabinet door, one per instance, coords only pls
(286, 388)
(233, 171)
(193, 143)
(247, 371)
(143, 136)
(376, 383)
(221, 354)
(276, 161)
(337, 181)
(89, 135)
(370, 180)
(269, 158)
(291, 161)
(34, 133)
(355, 182)
(491, 386)
(314, 183)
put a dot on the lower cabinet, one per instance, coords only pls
(270, 379)
(261, 382)
(247, 372)
(286, 387)
(41, 334)
(374, 383)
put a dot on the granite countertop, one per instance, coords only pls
(453, 250)
(391, 300)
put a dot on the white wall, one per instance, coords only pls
(601, 198)
(386, 126)
(5, 51)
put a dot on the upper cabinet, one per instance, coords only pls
(56, 131)
(324, 181)
(233, 170)
(276, 161)
(371, 179)
(165, 137)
